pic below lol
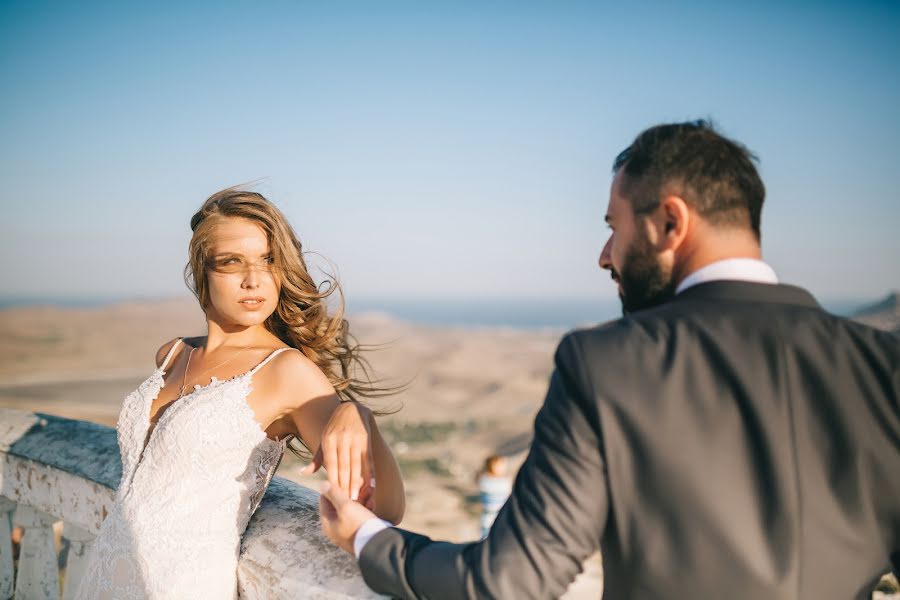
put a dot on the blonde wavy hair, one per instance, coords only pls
(302, 319)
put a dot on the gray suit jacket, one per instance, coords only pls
(736, 442)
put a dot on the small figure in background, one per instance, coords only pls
(494, 487)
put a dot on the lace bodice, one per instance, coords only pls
(187, 492)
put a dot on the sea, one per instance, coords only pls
(517, 313)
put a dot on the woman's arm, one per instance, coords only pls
(351, 448)
(343, 435)
(390, 497)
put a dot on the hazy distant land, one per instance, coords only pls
(473, 391)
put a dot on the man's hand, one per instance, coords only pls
(341, 517)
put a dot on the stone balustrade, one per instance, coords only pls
(57, 470)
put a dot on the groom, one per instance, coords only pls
(725, 438)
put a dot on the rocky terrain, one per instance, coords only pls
(884, 314)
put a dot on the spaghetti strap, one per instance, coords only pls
(165, 362)
(272, 355)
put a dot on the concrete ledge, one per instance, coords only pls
(285, 555)
(87, 450)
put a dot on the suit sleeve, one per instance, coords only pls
(553, 520)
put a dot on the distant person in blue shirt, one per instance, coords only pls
(494, 487)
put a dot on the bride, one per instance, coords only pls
(201, 437)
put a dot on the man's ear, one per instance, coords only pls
(674, 222)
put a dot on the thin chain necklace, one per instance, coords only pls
(184, 379)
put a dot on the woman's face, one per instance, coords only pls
(243, 287)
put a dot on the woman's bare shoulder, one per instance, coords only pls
(165, 348)
(164, 351)
(294, 370)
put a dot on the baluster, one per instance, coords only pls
(81, 542)
(38, 575)
(6, 551)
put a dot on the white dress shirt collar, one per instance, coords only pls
(734, 269)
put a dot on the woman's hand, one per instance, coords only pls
(346, 452)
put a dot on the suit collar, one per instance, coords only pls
(742, 269)
(748, 291)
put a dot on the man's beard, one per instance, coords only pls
(644, 282)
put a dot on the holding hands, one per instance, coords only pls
(348, 445)
(346, 441)
(341, 517)
(351, 446)
(346, 453)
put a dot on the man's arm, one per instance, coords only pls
(552, 521)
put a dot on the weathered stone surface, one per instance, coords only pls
(70, 470)
(81, 543)
(38, 576)
(84, 449)
(285, 555)
(6, 552)
(69, 497)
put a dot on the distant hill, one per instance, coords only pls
(884, 314)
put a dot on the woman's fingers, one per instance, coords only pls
(344, 452)
(364, 494)
(356, 480)
(368, 466)
(348, 450)
(315, 465)
(366, 490)
(330, 459)
(368, 473)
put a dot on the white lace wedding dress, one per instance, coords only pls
(188, 490)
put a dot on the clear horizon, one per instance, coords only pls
(433, 151)
(497, 311)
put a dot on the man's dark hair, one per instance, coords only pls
(713, 174)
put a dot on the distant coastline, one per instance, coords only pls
(471, 312)
(519, 313)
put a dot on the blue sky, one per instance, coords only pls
(433, 150)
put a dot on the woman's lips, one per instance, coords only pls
(251, 303)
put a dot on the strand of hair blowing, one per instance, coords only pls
(301, 318)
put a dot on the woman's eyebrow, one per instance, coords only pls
(228, 253)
